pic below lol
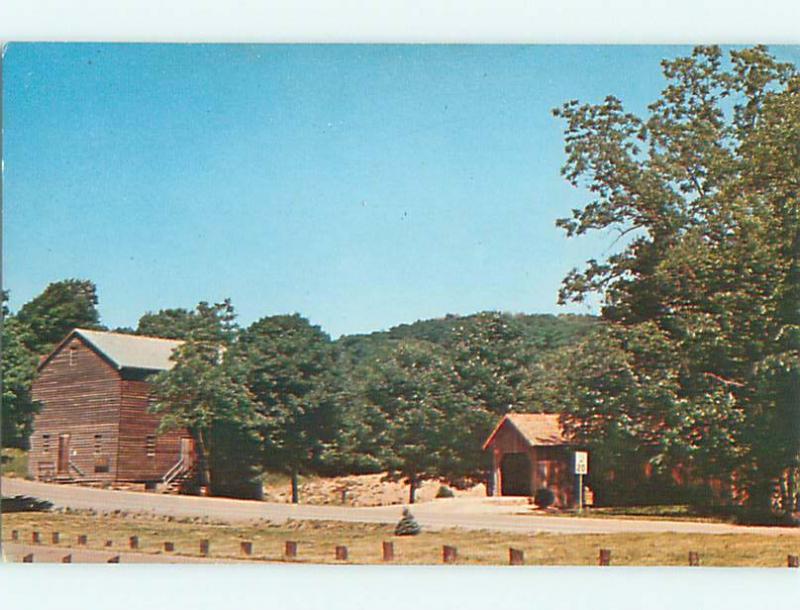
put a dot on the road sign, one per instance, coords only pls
(581, 462)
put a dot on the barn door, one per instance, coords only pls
(187, 451)
(63, 454)
(515, 469)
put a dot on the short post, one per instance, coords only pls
(290, 549)
(169, 547)
(114, 559)
(246, 547)
(67, 558)
(36, 538)
(341, 553)
(449, 554)
(28, 558)
(133, 542)
(605, 557)
(793, 561)
(388, 551)
(83, 539)
(56, 537)
(14, 535)
(204, 547)
(694, 558)
(516, 557)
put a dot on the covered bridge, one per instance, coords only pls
(530, 452)
(94, 424)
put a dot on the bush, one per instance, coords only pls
(444, 492)
(407, 526)
(544, 497)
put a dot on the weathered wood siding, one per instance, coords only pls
(136, 424)
(551, 466)
(80, 395)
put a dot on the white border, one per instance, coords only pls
(476, 21)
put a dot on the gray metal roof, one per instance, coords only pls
(132, 351)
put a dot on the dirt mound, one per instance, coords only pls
(359, 490)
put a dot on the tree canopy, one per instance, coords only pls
(702, 193)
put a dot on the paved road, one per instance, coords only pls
(499, 514)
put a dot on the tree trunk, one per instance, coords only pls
(203, 465)
(412, 490)
(295, 487)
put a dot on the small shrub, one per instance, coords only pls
(407, 526)
(544, 497)
(444, 492)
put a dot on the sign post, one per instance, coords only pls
(581, 468)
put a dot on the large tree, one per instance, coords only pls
(702, 193)
(289, 373)
(18, 369)
(428, 425)
(205, 391)
(61, 307)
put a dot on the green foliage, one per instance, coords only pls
(168, 323)
(407, 526)
(700, 368)
(544, 497)
(18, 369)
(444, 492)
(205, 391)
(289, 374)
(62, 306)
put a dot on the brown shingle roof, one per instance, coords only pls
(535, 428)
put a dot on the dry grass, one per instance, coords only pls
(317, 540)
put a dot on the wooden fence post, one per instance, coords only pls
(694, 558)
(169, 547)
(56, 537)
(67, 558)
(246, 547)
(133, 542)
(793, 561)
(605, 557)
(341, 553)
(290, 549)
(28, 558)
(449, 554)
(516, 557)
(388, 551)
(83, 539)
(205, 544)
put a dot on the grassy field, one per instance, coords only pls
(317, 540)
(14, 461)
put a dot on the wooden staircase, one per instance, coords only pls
(179, 478)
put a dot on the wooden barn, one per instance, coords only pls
(530, 452)
(94, 424)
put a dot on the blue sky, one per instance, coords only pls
(361, 186)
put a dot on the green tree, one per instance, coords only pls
(175, 323)
(426, 419)
(703, 196)
(61, 307)
(205, 391)
(19, 369)
(289, 364)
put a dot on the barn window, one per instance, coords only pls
(98, 444)
(45, 443)
(150, 445)
(73, 352)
